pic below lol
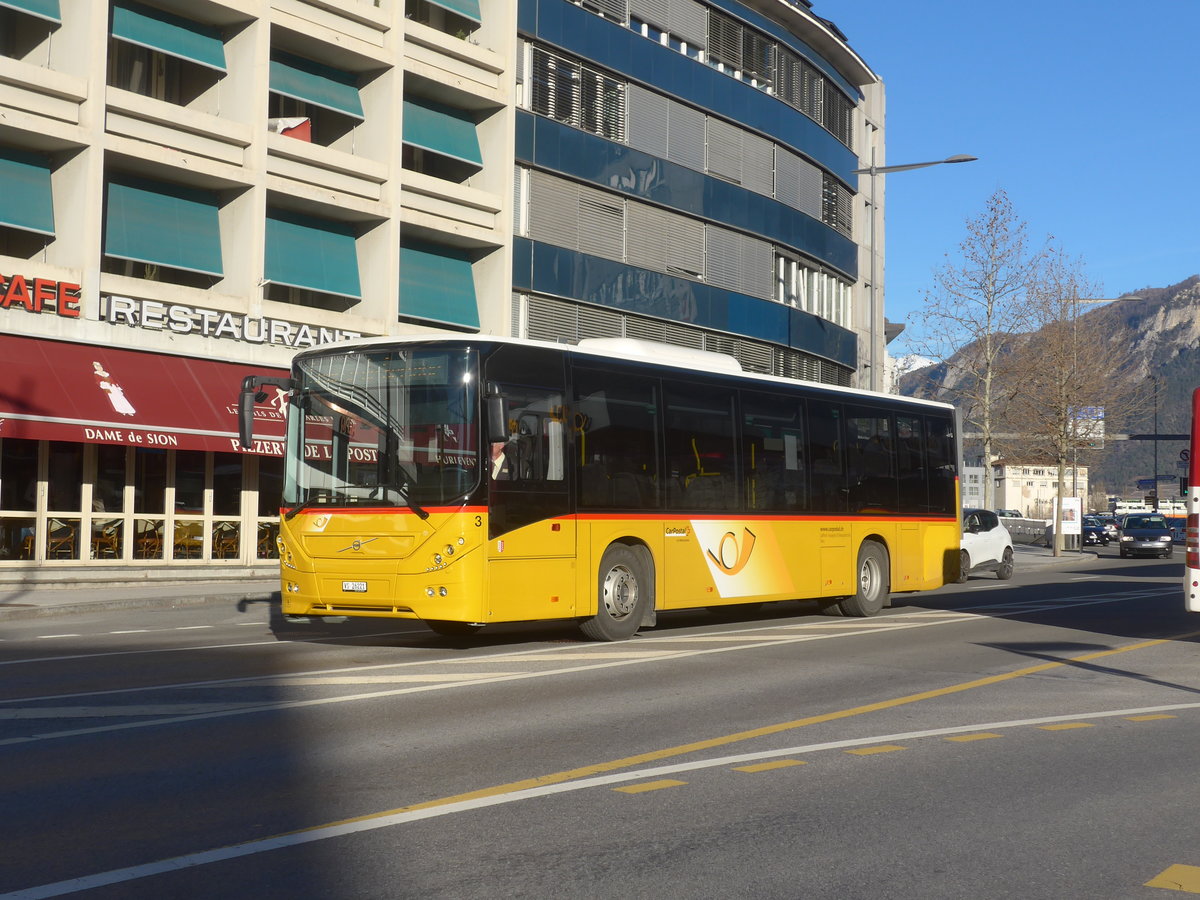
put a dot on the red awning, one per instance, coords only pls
(53, 390)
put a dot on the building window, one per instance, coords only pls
(305, 89)
(159, 55)
(566, 90)
(458, 18)
(25, 34)
(161, 231)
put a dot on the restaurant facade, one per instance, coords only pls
(191, 191)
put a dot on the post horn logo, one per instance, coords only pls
(740, 552)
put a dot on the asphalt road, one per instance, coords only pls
(1033, 738)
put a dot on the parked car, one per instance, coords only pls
(1146, 534)
(1009, 514)
(1178, 526)
(1094, 531)
(986, 545)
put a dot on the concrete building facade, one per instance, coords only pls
(196, 189)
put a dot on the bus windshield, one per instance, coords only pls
(393, 427)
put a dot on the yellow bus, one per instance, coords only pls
(468, 480)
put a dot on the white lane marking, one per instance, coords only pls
(375, 695)
(374, 822)
(49, 637)
(766, 636)
(100, 712)
(132, 631)
(191, 627)
(306, 681)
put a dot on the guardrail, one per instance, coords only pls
(1026, 531)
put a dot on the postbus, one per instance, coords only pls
(465, 481)
(1191, 568)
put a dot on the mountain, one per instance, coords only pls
(1163, 330)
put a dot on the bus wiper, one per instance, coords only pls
(401, 489)
(314, 497)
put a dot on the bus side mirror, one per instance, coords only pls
(497, 424)
(252, 392)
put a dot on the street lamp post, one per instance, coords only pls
(873, 170)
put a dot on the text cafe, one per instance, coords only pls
(123, 457)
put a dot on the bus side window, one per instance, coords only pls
(940, 458)
(872, 473)
(615, 420)
(828, 467)
(700, 446)
(775, 461)
(910, 464)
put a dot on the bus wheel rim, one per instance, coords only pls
(620, 592)
(868, 578)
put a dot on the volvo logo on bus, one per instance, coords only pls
(357, 544)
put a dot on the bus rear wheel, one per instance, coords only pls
(622, 592)
(872, 580)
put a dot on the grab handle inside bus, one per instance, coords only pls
(252, 393)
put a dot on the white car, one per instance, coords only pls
(986, 545)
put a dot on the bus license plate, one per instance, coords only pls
(358, 587)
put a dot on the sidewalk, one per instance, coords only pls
(89, 590)
(85, 590)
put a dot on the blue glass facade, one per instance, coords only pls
(548, 145)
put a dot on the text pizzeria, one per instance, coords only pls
(180, 319)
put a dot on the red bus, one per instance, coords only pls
(1191, 571)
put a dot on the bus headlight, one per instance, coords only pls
(437, 559)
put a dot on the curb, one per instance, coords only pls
(11, 611)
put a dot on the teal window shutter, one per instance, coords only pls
(43, 9)
(313, 254)
(441, 129)
(163, 224)
(153, 28)
(303, 79)
(468, 9)
(437, 284)
(25, 186)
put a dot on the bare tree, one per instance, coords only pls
(973, 315)
(1072, 372)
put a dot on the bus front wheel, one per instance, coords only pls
(622, 591)
(872, 581)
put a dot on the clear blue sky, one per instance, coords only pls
(1087, 112)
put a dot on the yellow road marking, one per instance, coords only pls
(738, 737)
(1066, 726)
(871, 751)
(981, 736)
(589, 654)
(1149, 718)
(768, 766)
(649, 786)
(1178, 878)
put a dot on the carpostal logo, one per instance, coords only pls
(733, 553)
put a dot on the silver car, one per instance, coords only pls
(1145, 535)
